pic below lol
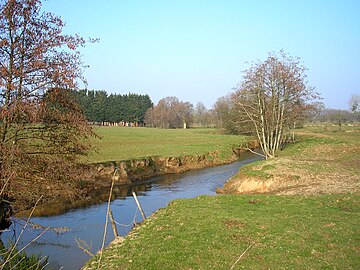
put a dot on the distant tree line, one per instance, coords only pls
(170, 112)
(336, 116)
(100, 107)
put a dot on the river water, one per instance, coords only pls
(87, 224)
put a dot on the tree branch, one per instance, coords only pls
(242, 254)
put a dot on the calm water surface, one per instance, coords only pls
(87, 224)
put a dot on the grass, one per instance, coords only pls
(118, 143)
(327, 152)
(289, 232)
(262, 172)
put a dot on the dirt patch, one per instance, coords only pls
(231, 223)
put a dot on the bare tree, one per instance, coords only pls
(203, 117)
(170, 112)
(222, 109)
(272, 96)
(354, 103)
(228, 117)
(42, 128)
(184, 114)
(200, 114)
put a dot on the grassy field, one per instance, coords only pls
(118, 143)
(284, 232)
(317, 227)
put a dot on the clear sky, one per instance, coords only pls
(196, 50)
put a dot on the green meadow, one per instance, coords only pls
(122, 143)
(272, 232)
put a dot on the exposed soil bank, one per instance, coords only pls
(129, 171)
(323, 163)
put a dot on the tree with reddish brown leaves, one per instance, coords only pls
(42, 128)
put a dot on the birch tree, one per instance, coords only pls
(271, 97)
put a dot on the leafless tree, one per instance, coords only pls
(200, 112)
(354, 103)
(272, 97)
(222, 108)
(203, 117)
(170, 112)
(227, 116)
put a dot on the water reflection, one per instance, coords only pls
(87, 223)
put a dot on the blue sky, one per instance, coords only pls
(196, 50)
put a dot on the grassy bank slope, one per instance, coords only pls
(119, 143)
(292, 232)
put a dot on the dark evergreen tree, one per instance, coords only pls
(100, 107)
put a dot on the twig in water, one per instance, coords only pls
(58, 230)
(44, 258)
(232, 267)
(84, 246)
(106, 222)
(113, 224)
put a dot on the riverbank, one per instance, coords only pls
(128, 155)
(316, 229)
(318, 163)
(125, 174)
(88, 223)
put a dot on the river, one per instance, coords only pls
(87, 224)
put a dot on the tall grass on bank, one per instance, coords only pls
(122, 143)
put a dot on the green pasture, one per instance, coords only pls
(123, 143)
(270, 232)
